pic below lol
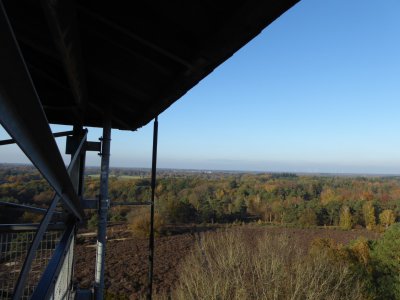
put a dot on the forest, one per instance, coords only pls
(218, 197)
(285, 236)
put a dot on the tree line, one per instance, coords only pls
(348, 202)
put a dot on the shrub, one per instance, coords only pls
(386, 256)
(180, 212)
(326, 245)
(92, 223)
(227, 265)
(30, 217)
(139, 222)
(111, 296)
(361, 251)
(118, 213)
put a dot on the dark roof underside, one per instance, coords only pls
(133, 58)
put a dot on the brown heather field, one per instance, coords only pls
(126, 256)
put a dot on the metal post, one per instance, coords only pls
(75, 173)
(153, 188)
(102, 213)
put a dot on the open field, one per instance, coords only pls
(123, 177)
(126, 256)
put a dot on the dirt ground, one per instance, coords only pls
(127, 255)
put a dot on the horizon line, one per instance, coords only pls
(357, 174)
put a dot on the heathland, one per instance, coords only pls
(232, 235)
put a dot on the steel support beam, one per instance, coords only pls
(17, 206)
(131, 203)
(22, 116)
(23, 275)
(93, 146)
(56, 134)
(102, 211)
(77, 144)
(94, 203)
(153, 190)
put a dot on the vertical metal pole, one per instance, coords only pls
(103, 209)
(75, 173)
(78, 131)
(82, 174)
(153, 188)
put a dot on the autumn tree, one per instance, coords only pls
(278, 211)
(369, 215)
(387, 218)
(327, 196)
(308, 218)
(346, 219)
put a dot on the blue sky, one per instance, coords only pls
(316, 91)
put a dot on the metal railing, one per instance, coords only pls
(14, 247)
(36, 261)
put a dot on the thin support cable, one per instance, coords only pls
(153, 188)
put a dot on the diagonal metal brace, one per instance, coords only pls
(23, 275)
(22, 116)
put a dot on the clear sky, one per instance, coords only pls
(316, 91)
